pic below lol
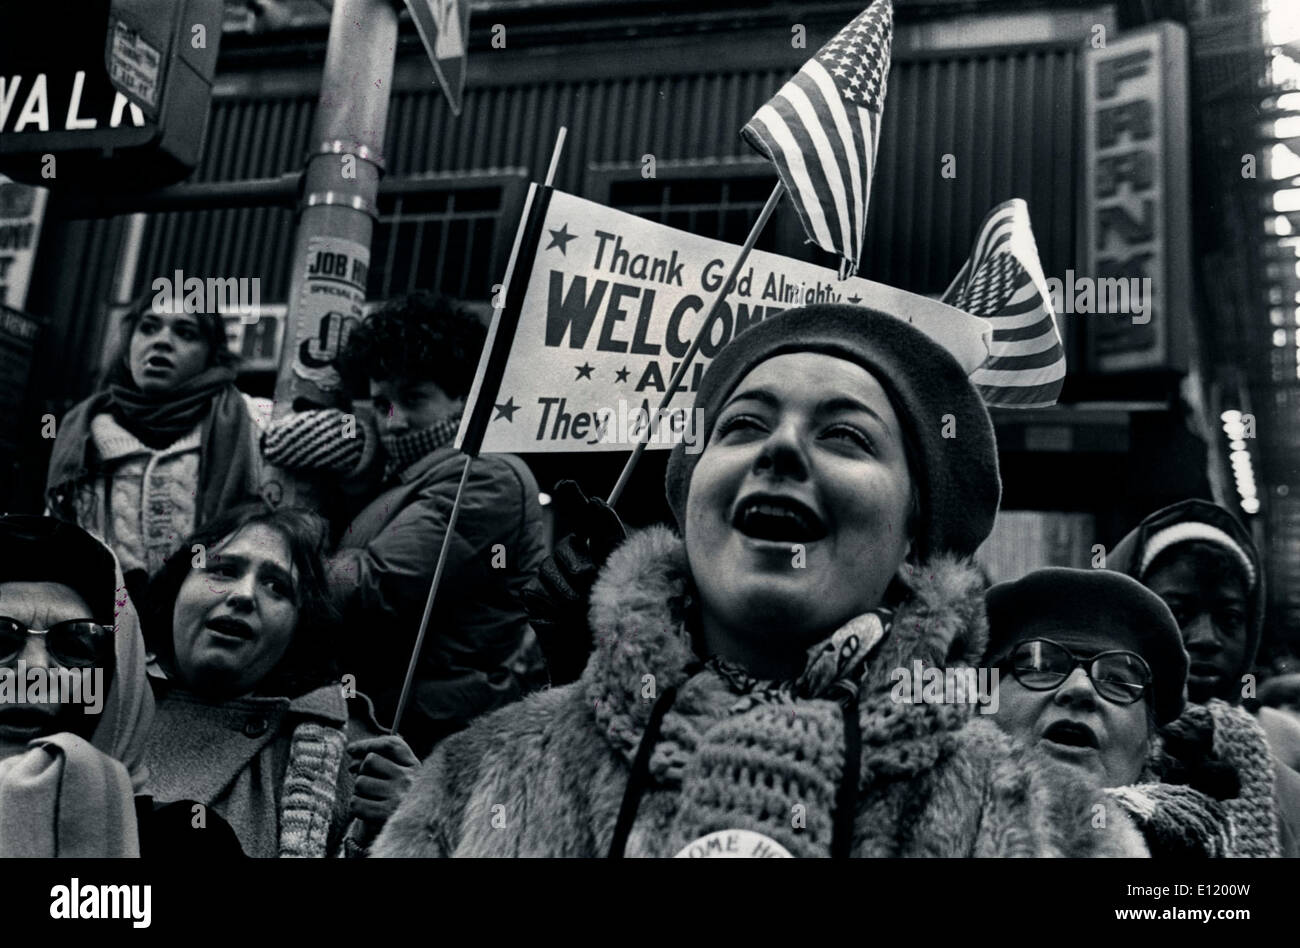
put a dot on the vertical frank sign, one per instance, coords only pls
(1137, 199)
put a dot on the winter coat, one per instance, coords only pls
(546, 776)
(1127, 558)
(275, 769)
(142, 502)
(383, 569)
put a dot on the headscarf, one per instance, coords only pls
(66, 796)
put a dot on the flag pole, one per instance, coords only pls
(405, 695)
(676, 381)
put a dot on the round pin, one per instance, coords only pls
(734, 844)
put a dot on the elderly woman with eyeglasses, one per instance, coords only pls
(1092, 673)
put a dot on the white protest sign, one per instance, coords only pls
(612, 303)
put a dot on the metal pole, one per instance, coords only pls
(331, 251)
(411, 666)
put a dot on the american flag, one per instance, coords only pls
(1003, 283)
(822, 128)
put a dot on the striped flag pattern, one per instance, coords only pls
(1003, 282)
(821, 130)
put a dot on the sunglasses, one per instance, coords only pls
(76, 643)
(1118, 675)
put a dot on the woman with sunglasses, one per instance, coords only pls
(72, 758)
(254, 718)
(739, 700)
(1092, 674)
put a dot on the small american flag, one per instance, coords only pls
(1003, 283)
(822, 128)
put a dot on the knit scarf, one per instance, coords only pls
(405, 449)
(159, 420)
(1239, 740)
(1177, 821)
(226, 468)
(775, 764)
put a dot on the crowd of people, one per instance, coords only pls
(683, 689)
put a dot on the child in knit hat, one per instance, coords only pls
(742, 698)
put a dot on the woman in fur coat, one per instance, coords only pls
(741, 699)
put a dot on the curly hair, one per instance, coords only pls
(312, 657)
(423, 337)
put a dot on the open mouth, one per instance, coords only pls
(1072, 734)
(230, 627)
(25, 721)
(780, 519)
(158, 362)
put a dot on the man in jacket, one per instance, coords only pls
(418, 355)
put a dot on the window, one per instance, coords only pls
(450, 233)
(717, 199)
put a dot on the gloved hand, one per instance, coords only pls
(557, 598)
(1188, 756)
(383, 767)
(322, 439)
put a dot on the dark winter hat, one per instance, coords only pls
(46, 550)
(1092, 610)
(957, 477)
(1189, 521)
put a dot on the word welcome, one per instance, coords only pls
(40, 685)
(933, 685)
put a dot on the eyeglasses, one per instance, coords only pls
(1118, 675)
(76, 643)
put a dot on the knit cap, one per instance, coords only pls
(957, 476)
(1197, 520)
(1188, 531)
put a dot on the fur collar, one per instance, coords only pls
(638, 617)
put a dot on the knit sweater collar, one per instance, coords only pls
(638, 615)
(112, 441)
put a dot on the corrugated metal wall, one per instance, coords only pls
(1008, 117)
